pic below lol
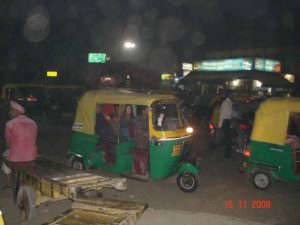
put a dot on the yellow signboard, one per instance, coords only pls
(51, 73)
(167, 76)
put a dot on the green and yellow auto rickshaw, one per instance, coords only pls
(273, 152)
(168, 137)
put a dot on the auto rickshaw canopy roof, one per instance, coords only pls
(271, 119)
(87, 104)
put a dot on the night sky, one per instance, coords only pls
(37, 36)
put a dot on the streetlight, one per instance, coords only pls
(129, 44)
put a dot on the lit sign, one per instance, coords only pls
(267, 65)
(97, 58)
(187, 66)
(51, 73)
(224, 65)
(167, 76)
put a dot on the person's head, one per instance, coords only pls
(99, 108)
(129, 110)
(145, 111)
(16, 109)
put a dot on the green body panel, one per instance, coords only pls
(188, 167)
(163, 161)
(275, 158)
(84, 145)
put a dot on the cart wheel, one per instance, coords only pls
(261, 180)
(187, 182)
(76, 163)
(26, 203)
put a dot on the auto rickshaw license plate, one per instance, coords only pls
(176, 150)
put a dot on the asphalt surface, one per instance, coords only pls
(224, 195)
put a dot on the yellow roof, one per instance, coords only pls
(87, 103)
(271, 119)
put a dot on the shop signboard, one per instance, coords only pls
(51, 73)
(167, 76)
(238, 64)
(267, 65)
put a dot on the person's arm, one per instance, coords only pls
(221, 116)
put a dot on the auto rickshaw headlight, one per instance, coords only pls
(189, 130)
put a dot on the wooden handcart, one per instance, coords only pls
(42, 180)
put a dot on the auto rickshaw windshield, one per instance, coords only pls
(166, 116)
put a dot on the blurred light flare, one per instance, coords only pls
(129, 45)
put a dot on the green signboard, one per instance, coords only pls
(97, 58)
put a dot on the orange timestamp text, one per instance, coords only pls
(244, 204)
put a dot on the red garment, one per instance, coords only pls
(20, 132)
(109, 109)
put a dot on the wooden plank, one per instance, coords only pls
(87, 217)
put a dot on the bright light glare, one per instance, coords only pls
(235, 82)
(258, 83)
(189, 130)
(129, 44)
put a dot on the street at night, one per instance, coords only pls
(123, 112)
(224, 195)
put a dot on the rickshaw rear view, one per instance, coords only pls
(273, 152)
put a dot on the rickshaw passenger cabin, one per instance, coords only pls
(167, 135)
(274, 148)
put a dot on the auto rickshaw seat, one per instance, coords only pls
(140, 159)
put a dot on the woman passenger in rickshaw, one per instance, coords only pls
(293, 138)
(141, 136)
(126, 122)
(293, 133)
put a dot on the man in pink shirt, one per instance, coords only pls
(20, 134)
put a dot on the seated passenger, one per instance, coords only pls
(141, 135)
(126, 121)
(141, 129)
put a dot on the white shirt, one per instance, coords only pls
(225, 111)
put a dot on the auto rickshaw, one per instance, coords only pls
(1, 218)
(169, 137)
(273, 152)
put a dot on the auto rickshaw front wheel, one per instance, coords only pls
(261, 180)
(187, 182)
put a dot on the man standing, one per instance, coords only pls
(225, 123)
(20, 134)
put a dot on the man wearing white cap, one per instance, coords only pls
(20, 134)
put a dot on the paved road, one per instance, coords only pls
(175, 217)
(224, 196)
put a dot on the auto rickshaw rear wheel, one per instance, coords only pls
(187, 182)
(261, 180)
(26, 203)
(76, 163)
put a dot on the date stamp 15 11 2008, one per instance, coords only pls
(245, 204)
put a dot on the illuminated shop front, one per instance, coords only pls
(249, 74)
